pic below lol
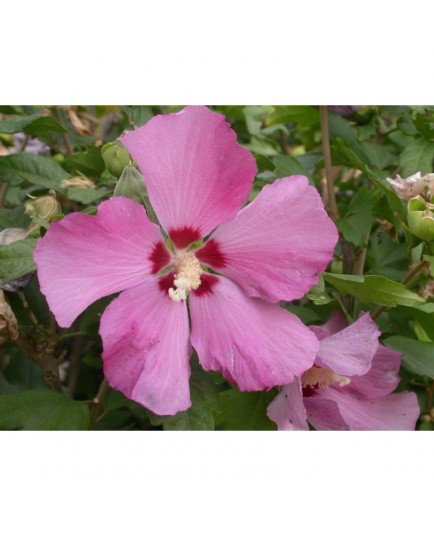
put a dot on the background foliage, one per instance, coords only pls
(375, 253)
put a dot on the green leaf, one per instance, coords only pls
(288, 165)
(90, 163)
(358, 219)
(13, 217)
(303, 115)
(33, 125)
(39, 170)
(16, 259)
(87, 196)
(42, 410)
(21, 374)
(374, 289)
(17, 124)
(418, 357)
(342, 153)
(264, 163)
(245, 411)
(386, 257)
(138, 115)
(44, 125)
(417, 156)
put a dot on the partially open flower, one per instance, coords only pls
(350, 385)
(45, 207)
(412, 186)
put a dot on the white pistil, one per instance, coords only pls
(187, 276)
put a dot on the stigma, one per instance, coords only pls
(187, 275)
(318, 377)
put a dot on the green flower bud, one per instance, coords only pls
(45, 207)
(115, 157)
(132, 185)
(421, 218)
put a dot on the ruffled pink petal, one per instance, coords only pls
(287, 409)
(83, 258)
(383, 376)
(277, 245)
(324, 414)
(336, 322)
(350, 351)
(398, 411)
(146, 348)
(251, 342)
(196, 174)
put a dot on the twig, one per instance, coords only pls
(411, 273)
(44, 360)
(24, 143)
(64, 135)
(3, 191)
(429, 398)
(74, 360)
(98, 401)
(331, 197)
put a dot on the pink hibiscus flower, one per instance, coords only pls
(197, 178)
(350, 385)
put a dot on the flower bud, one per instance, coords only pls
(421, 219)
(8, 322)
(45, 207)
(80, 182)
(132, 185)
(115, 157)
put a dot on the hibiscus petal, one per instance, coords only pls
(324, 414)
(398, 411)
(383, 376)
(83, 258)
(196, 174)
(351, 350)
(278, 244)
(146, 348)
(251, 342)
(287, 409)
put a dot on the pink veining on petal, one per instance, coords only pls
(278, 244)
(146, 348)
(83, 258)
(254, 344)
(196, 174)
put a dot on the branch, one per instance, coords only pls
(331, 197)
